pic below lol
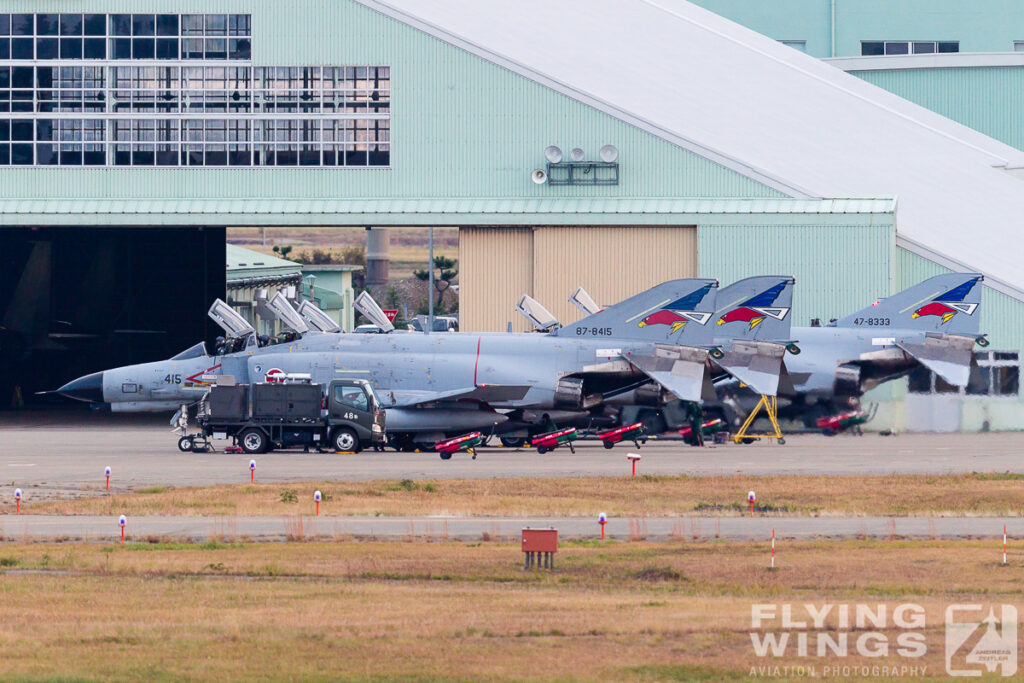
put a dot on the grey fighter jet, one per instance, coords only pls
(432, 384)
(935, 323)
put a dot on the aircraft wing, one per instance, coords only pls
(485, 393)
(756, 364)
(947, 355)
(680, 369)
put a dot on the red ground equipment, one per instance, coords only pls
(466, 442)
(831, 425)
(709, 427)
(631, 432)
(552, 440)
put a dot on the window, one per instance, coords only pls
(231, 114)
(906, 47)
(123, 36)
(1018, 46)
(351, 396)
(796, 44)
(994, 373)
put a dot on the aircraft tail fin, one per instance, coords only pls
(947, 303)
(756, 308)
(677, 311)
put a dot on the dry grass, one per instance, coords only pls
(428, 611)
(642, 496)
(408, 245)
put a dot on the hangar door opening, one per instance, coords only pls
(498, 265)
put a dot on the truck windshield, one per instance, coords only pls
(354, 397)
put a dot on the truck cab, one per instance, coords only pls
(354, 415)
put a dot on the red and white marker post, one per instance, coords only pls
(252, 471)
(751, 498)
(317, 497)
(122, 521)
(106, 473)
(773, 548)
(1004, 544)
(602, 519)
(633, 458)
(17, 500)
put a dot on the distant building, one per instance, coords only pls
(329, 286)
(254, 278)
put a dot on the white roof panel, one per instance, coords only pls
(759, 107)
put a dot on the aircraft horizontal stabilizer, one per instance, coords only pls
(485, 393)
(948, 356)
(756, 364)
(680, 369)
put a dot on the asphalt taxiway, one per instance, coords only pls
(68, 458)
(90, 528)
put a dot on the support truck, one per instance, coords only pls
(343, 416)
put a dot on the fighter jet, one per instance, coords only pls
(433, 384)
(935, 324)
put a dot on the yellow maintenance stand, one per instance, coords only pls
(770, 405)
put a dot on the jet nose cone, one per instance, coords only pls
(88, 388)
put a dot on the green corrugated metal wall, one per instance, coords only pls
(979, 26)
(1002, 317)
(461, 126)
(837, 266)
(987, 99)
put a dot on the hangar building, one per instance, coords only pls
(964, 60)
(136, 131)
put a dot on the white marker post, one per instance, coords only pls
(633, 457)
(106, 472)
(252, 471)
(751, 498)
(317, 497)
(773, 547)
(602, 519)
(17, 500)
(1004, 544)
(122, 521)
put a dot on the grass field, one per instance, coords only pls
(925, 495)
(452, 611)
(408, 245)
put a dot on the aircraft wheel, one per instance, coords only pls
(541, 450)
(254, 441)
(828, 431)
(653, 422)
(609, 445)
(512, 441)
(185, 444)
(344, 439)
(748, 440)
(782, 442)
(445, 456)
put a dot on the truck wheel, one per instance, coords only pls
(254, 441)
(512, 441)
(344, 439)
(185, 444)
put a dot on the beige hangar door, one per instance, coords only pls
(611, 263)
(498, 265)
